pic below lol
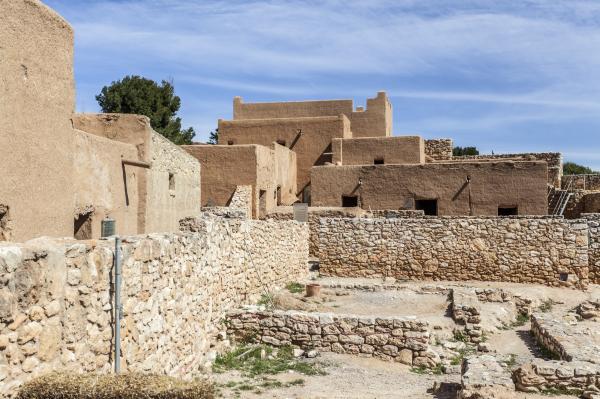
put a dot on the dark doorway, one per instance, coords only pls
(349, 201)
(378, 161)
(278, 195)
(82, 227)
(428, 206)
(262, 204)
(508, 211)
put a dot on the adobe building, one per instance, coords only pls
(348, 158)
(270, 171)
(62, 172)
(306, 127)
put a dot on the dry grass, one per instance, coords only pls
(110, 386)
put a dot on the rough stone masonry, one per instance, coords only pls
(56, 305)
(536, 250)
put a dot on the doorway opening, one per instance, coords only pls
(428, 206)
(349, 201)
(508, 211)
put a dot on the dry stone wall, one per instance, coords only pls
(402, 339)
(56, 299)
(593, 220)
(439, 149)
(525, 250)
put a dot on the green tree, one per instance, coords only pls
(460, 151)
(571, 168)
(138, 95)
(213, 137)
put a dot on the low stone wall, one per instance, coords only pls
(539, 250)
(484, 377)
(401, 339)
(439, 149)
(242, 199)
(56, 304)
(543, 375)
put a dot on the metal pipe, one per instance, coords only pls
(118, 306)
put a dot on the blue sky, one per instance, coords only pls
(503, 75)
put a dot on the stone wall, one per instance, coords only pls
(581, 182)
(56, 305)
(315, 213)
(526, 250)
(242, 199)
(593, 220)
(402, 339)
(439, 149)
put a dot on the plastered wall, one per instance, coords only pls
(390, 150)
(103, 187)
(492, 185)
(309, 138)
(37, 99)
(57, 316)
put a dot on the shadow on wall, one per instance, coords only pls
(4, 223)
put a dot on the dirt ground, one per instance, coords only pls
(355, 377)
(351, 376)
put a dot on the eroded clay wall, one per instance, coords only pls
(36, 104)
(173, 186)
(102, 186)
(289, 109)
(541, 250)
(388, 150)
(176, 290)
(223, 169)
(439, 149)
(491, 185)
(286, 173)
(309, 138)
(375, 120)
(553, 159)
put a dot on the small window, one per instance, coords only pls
(171, 181)
(82, 227)
(563, 276)
(278, 195)
(508, 211)
(378, 161)
(281, 142)
(229, 142)
(428, 206)
(349, 201)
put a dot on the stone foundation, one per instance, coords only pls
(538, 250)
(56, 298)
(401, 339)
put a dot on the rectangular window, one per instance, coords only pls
(378, 161)
(82, 227)
(349, 201)
(428, 206)
(171, 181)
(230, 142)
(508, 211)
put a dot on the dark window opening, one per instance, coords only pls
(262, 203)
(4, 234)
(428, 206)
(508, 211)
(378, 161)
(563, 276)
(229, 142)
(349, 201)
(281, 142)
(171, 181)
(82, 228)
(278, 195)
